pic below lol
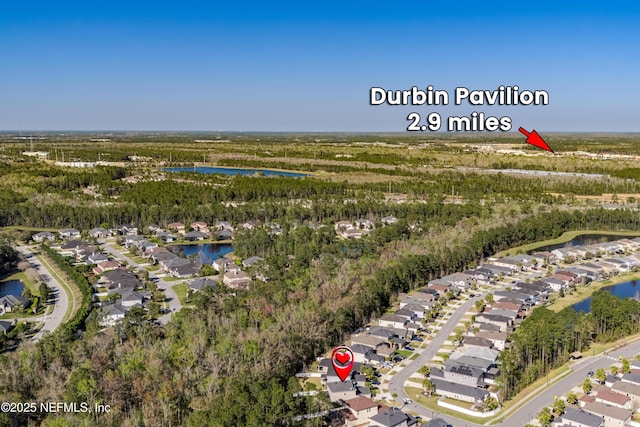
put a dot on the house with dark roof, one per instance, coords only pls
(185, 270)
(576, 417)
(120, 278)
(111, 314)
(438, 422)
(195, 235)
(13, 303)
(390, 418)
(199, 284)
(5, 326)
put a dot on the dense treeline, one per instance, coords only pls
(546, 339)
(8, 258)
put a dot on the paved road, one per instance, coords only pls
(528, 411)
(396, 383)
(172, 297)
(59, 296)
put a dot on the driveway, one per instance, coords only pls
(172, 297)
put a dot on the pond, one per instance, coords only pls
(584, 239)
(11, 287)
(623, 290)
(205, 253)
(235, 171)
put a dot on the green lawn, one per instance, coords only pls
(181, 291)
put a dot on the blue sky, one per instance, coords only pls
(308, 66)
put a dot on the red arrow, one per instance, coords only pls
(534, 139)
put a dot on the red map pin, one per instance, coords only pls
(342, 360)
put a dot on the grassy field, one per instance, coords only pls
(181, 291)
(562, 239)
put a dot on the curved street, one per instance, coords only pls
(59, 297)
(538, 399)
(166, 287)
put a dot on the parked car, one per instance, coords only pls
(409, 348)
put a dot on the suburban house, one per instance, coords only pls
(225, 265)
(97, 258)
(13, 303)
(360, 410)
(392, 321)
(632, 391)
(612, 416)
(69, 233)
(120, 278)
(105, 266)
(224, 226)
(237, 279)
(392, 418)
(576, 417)
(199, 284)
(178, 227)
(99, 233)
(195, 235)
(42, 236)
(341, 390)
(185, 270)
(499, 339)
(200, 226)
(613, 398)
(461, 392)
(126, 230)
(129, 298)
(112, 314)
(502, 322)
(6, 326)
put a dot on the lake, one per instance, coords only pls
(11, 287)
(584, 239)
(206, 253)
(623, 290)
(236, 171)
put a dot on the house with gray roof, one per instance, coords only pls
(390, 418)
(613, 416)
(438, 422)
(42, 236)
(199, 284)
(69, 233)
(111, 314)
(461, 392)
(577, 417)
(13, 303)
(99, 233)
(5, 327)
